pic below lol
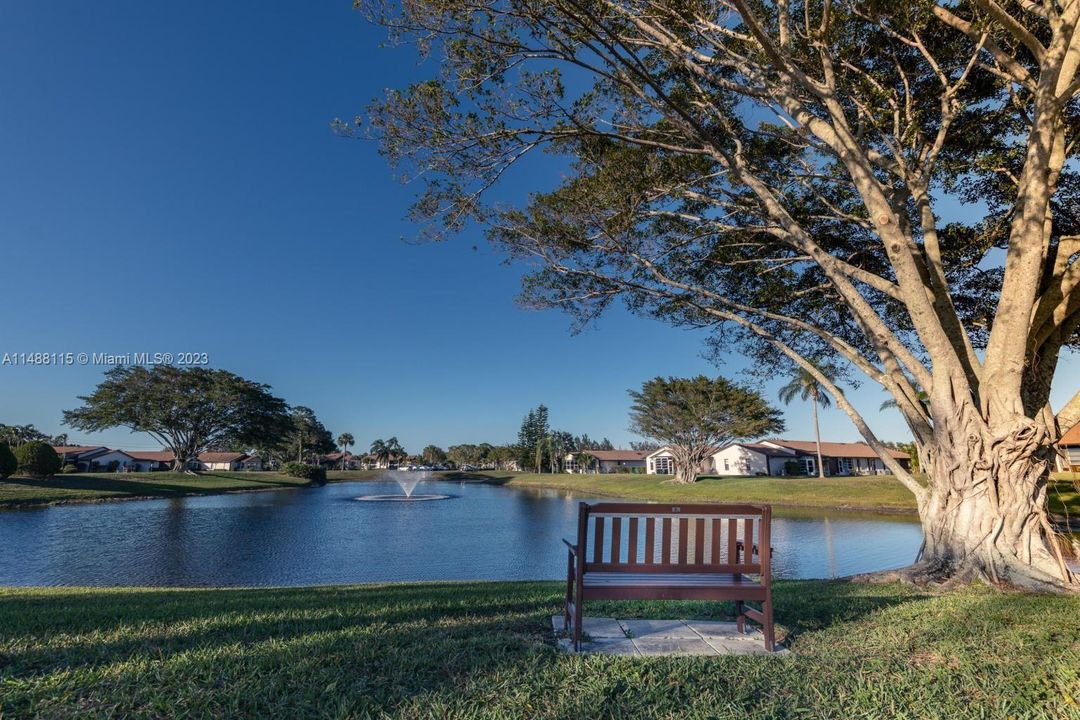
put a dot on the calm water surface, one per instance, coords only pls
(321, 535)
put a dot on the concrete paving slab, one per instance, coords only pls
(714, 628)
(596, 628)
(654, 646)
(657, 638)
(737, 646)
(671, 629)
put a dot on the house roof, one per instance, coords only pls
(611, 455)
(152, 455)
(337, 456)
(667, 449)
(835, 449)
(1072, 437)
(78, 449)
(765, 449)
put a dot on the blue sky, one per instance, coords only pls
(170, 183)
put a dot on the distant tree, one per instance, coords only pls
(805, 385)
(694, 416)
(185, 409)
(921, 397)
(15, 435)
(560, 443)
(387, 451)
(644, 445)
(380, 452)
(8, 463)
(503, 455)
(37, 459)
(466, 454)
(307, 436)
(395, 450)
(344, 440)
(59, 440)
(433, 455)
(584, 460)
(532, 438)
(605, 444)
(912, 452)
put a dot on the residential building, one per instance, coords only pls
(662, 462)
(1069, 451)
(606, 461)
(93, 458)
(151, 460)
(784, 457)
(219, 461)
(332, 461)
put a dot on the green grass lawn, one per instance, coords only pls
(873, 492)
(881, 492)
(485, 650)
(83, 487)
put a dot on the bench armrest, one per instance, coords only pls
(573, 547)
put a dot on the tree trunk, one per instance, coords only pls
(817, 437)
(985, 516)
(688, 462)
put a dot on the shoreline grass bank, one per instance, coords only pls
(485, 650)
(16, 492)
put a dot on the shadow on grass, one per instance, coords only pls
(400, 642)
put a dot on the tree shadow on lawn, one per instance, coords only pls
(376, 647)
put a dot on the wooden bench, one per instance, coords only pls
(645, 551)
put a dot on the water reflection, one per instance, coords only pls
(320, 535)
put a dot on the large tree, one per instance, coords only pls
(187, 410)
(779, 171)
(697, 416)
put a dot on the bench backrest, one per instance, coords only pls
(647, 537)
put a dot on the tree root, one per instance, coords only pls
(942, 577)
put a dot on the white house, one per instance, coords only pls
(751, 459)
(775, 457)
(219, 461)
(606, 461)
(150, 460)
(94, 458)
(662, 462)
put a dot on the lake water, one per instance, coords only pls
(321, 536)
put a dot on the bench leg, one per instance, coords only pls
(768, 629)
(569, 591)
(577, 615)
(740, 617)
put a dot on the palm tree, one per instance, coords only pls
(920, 395)
(806, 387)
(394, 451)
(381, 452)
(344, 440)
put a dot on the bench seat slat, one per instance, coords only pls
(622, 579)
